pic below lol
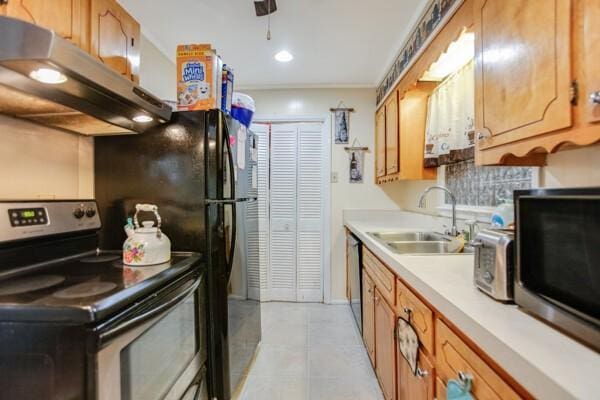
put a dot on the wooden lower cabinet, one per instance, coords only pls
(385, 346)
(410, 307)
(440, 389)
(411, 387)
(368, 315)
(453, 356)
(443, 352)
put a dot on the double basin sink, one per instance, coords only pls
(420, 243)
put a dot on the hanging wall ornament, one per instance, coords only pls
(341, 123)
(356, 158)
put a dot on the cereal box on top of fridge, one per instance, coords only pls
(198, 77)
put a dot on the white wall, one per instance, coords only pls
(576, 167)
(316, 103)
(43, 163)
(157, 71)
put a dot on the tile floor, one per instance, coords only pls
(310, 352)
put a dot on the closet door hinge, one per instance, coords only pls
(574, 92)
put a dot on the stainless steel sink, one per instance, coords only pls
(420, 243)
(422, 247)
(409, 236)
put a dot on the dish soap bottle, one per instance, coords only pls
(503, 215)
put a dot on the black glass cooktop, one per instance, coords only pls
(87, 289)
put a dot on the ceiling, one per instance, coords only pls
(335, 43)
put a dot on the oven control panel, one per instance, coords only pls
(31, 219)
(28, 216)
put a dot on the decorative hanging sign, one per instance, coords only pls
(341, 123)
(356, 158)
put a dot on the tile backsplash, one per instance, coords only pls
(485, 186)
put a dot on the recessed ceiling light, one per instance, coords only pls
(48, 75)
(284, 56)
(143, 119)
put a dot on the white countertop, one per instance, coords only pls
(544, 361)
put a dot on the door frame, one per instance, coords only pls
(325, 121)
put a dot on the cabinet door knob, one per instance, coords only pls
(422, 373)
(376, 299)
(595, 97)
(407, 310)
(483, 135)
(466, 380)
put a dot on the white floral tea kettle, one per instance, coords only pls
(146, 245)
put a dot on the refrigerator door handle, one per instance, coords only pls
(231, 201)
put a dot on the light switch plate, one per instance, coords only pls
(334, 177)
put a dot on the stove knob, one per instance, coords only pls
(79, 213)
(90, 212)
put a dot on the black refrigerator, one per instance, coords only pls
(200, 170)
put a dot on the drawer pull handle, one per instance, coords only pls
(422, 373)
(466, 380)
(595, 97)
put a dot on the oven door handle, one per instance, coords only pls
(162, 308)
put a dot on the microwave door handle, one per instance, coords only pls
(162, 308)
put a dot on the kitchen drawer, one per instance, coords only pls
(384, 279)
(421, 316)
(454, 356)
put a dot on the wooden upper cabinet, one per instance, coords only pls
(385, 346)
(591, 55)
(368, 315)
(380, 143)
(523, 69)
(413, 121)
(115, 37)
(392, 131)
(62, 16)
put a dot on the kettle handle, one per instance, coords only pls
(149, 208)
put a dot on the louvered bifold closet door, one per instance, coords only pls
(282, 274)
(258, 231)
(310, 209)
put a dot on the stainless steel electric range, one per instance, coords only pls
(76, 323)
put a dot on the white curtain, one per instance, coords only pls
(450, 119)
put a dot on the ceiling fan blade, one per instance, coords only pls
(262, 7)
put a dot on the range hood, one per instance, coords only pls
(48, 80)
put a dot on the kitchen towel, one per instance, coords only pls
(450, 131)
(408, 343)
(456, 390)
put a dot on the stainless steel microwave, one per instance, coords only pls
(557, 269)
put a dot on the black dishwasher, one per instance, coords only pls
(354, 251)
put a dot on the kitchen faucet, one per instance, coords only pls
(422, 204)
